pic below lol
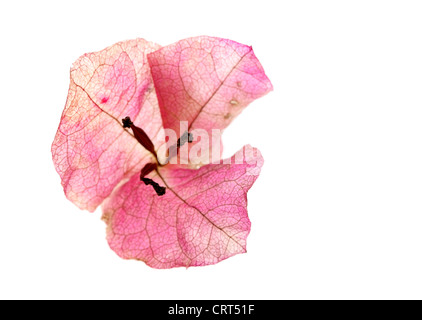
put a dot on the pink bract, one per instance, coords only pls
(202, 218)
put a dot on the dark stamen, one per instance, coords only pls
(127, 122)
(158, 189)
(174, 149)
(140, 135)
(186, 137)
(148, 168)
(190, 137)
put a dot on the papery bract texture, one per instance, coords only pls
(91, 151)
(202, 219)
(206, 81)
(120, 102)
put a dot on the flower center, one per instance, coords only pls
(141, 136)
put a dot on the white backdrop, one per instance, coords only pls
(337, 210)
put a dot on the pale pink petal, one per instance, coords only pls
(201, 220)
(206, 81)
(91, 151)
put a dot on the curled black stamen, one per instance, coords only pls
(158, 189)
(174, 149)
(186, 137)
(148, 168)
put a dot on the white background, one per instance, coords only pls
(337, 210)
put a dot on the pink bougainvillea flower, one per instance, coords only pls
(121, 102)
